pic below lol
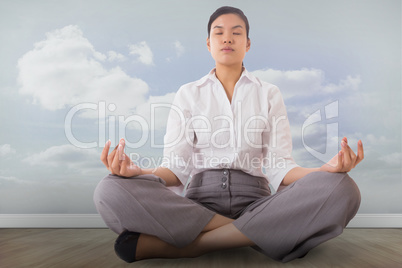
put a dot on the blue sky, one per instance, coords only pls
(59, 54)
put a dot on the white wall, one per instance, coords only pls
(134, 53)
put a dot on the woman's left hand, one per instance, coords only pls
(346, 159)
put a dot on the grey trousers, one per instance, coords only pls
(284, 226)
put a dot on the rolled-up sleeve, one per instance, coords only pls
(179, 139)
(277, 140)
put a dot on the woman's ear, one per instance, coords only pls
(248, 45)
(208, 44)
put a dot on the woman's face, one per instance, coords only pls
(228, 41)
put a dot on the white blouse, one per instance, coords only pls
(207, 131)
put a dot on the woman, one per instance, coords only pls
(234, 125)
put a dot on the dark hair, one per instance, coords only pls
(228, 10)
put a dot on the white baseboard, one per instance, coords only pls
(95, 221)
(376, 221)
(51, 221)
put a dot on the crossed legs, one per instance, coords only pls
(218, 234)
(284, 226)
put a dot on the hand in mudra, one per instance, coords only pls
(117, 162)
(346, 159)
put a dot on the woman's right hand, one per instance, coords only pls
(117, 162)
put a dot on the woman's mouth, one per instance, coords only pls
(227, 49)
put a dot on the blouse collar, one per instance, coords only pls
(212, 77)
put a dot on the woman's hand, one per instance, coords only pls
(346, 159)
(117, 162)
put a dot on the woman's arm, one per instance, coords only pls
(296, 173)
(344, 161)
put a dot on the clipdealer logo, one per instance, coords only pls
(331, 111)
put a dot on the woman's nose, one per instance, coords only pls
(227, 39)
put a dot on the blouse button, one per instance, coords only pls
(224, 179)
(225, 172)
(223, 185)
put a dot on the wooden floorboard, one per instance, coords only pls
(94, 248)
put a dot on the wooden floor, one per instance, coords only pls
(94, 248)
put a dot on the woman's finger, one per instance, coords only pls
(345, 154)
(360, 152)
(123, 167)
(128, 169)
(352, 158)
(104, 154)
(339, 166)
(115, 165)
(110, 158)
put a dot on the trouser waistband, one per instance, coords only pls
(228, 177)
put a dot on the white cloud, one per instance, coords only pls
(308, 91)
(143, 52)
(179, 48)
(292, 82)
(9, 180)
(51, 194)
(115, 56)
(68, 156)
(6, 150)
(376, 140)
(160, 110)
(393, 159)
(65, 69)
(305, 81)
(350, 83)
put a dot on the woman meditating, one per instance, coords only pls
(229, 136)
